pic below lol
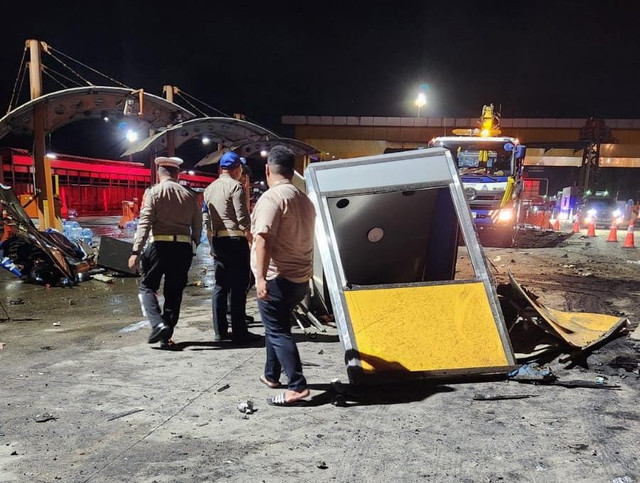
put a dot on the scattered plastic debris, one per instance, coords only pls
(322, 465)
(532, 373)
(56, 324)
(2, 346)
(17, 301)
(224, 388)
(246, 407)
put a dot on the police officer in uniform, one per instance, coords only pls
(228, 227)
(171, 219)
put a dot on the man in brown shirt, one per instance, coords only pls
(282, 224)
(228, 224)
(171, 219)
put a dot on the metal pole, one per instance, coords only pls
(42, 169)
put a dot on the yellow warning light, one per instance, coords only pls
(485, 133)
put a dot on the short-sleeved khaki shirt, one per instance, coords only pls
(168, 208)
(226, 205)
(287, 216)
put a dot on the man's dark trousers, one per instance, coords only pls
(231, 273)
(276, 313)
(171, 259)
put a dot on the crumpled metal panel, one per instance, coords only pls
(578, 329)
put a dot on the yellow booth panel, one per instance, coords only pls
(426, 328)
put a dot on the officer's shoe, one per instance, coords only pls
(247, 338)
(219, 338)
(158, 332)
(167, 345)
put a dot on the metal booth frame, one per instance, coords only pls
(413, 170)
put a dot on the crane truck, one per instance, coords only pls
(490, 168)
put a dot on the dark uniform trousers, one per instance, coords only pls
(171, 259)
(231, 273)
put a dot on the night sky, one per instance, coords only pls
(268, 59)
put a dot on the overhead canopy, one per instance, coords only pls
(227, 131)
(93, 102)
(247, 149)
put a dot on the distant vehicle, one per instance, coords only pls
(603, 210)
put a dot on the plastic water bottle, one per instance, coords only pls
(203, 239)
(87, 235)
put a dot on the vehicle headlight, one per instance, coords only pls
(505, 215)
(617, 213)
(592, 212)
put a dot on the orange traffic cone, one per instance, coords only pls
(613, 233)
(576, 226)
(628, 241)
(556, 225)
(592, 229)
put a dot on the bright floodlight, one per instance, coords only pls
(264, 153)
(421, 100)
(52, 156)
(206, 140)
(132, 136)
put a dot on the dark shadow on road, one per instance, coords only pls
(316, 337)
(347, 395)
(211, 345)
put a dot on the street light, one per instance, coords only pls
(421, 101)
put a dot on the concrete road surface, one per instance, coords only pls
(84, 398)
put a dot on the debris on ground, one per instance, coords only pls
(584, 384)
(246, 407)
(45, 257)
(44, 417)
(536, 330)
(17, 301)
(102, 278)
(2, 346)
(532, 373)
(127, 413)
(499, 397)
(322, 465)
(224, 388)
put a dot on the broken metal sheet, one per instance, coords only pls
(578, 329)
(43, 257)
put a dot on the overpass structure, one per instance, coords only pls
(573, 150)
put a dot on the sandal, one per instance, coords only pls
(270, 384)
(280, 400)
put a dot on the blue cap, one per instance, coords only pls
(231, 160)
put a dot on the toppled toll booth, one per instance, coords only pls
(387, 234)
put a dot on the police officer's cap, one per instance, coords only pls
(169, 162)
